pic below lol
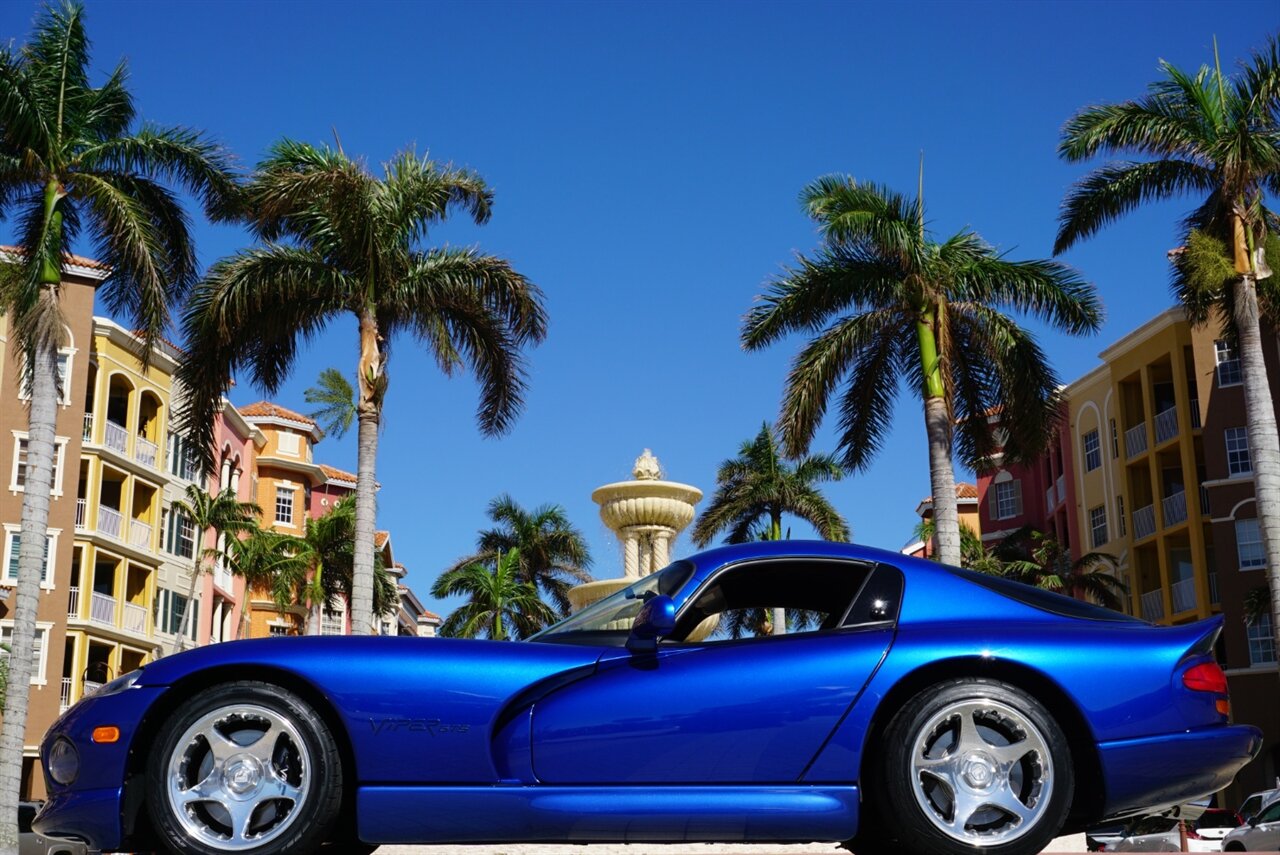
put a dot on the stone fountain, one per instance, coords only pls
(646, 514)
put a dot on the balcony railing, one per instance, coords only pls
(1050, 498)
(222, 575)
(1195, 414)
(82, 514)
(135, 618)
(1144, 522)
(1204, 502)
(102, 609)
(1166, 425)
(1213, 588)
(110, 521)
(64, 696)
(1174, 508)
(1135, 440)
(1184, 595)
(87, 435)
(139, 534)
(73, 602)
(116, 437)
(1062, 488)
(1153, 605)
(145, 451)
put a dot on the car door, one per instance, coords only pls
(753, 710)
(1265, 836)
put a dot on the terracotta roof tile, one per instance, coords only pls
(79, 260)
(266, 409)
(335, 474)
(380, 539)
(964, 490)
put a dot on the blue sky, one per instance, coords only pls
(646, 159)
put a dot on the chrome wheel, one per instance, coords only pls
(982, 772)
(238, 776)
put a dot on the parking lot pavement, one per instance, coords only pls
(1073, 843)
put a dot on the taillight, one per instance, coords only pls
(1191, 834)
(1205, 677)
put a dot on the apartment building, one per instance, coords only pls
(82, 278)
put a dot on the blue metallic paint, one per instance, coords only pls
(447, 734)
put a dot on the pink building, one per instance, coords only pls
(223, 594)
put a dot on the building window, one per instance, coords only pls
(1092, 451)
(284, 505)
(1249, 545)
(13, 543)
(1098, 525)
(37, 649)
(18, 476)
(182, 458)
(179, 534)
(332, 623)
(1262, 650)
(1120, 523)
(1238, 462)
(64, 371)
(1008, 499)
(1115, 441)
(1228, 363)
(278, 629)
(288, 443)
(170, 607)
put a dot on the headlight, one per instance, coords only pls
(118, 685)
(64, 762)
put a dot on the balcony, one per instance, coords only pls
(102, 609)
(1153, 605)
(1174, 508)
(1204, 502)
(1195, 414)
(145, 452)
(115, 437)
(135, 618)
(1050, 498)
(1144, 522)
(73, 602)
(1135, 440)
(110, 521)
(1166, 425)
(82, 514)
(222, 575)
(1062, 488)
(1213, 588)
(64, 696)
(140, 535)
(1184, 595)
(87, 435)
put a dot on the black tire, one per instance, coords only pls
(304, 826)
(908, 808)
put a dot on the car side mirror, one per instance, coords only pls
(1252, 822)
(655, 620)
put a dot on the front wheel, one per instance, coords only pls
(973, 766)
(246, 768)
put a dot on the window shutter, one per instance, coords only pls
(1017, 497)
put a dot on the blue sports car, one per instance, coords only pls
(923, 709)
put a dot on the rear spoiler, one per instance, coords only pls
(1196, 639)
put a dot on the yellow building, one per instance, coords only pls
(129, 570)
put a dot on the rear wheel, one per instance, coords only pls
(972, 765)
(245, 768)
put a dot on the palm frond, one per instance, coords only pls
(336, 402)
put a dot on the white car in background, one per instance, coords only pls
(1259, 834)
(1160, 834)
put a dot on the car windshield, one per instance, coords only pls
(1217, 819)
(611, 618)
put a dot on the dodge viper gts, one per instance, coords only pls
(913, 707)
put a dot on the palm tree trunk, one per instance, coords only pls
(368, 412)
(1264, 445)
(937, 422)
(181, 643)
(31, 558)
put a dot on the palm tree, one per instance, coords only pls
(223, 514)
(755, 489)
(500, 604)
(335, 401)
(72, 163)
(974, 554)
(890, 304)
(1216, 138)
(553, 554)
(273, 562)
(328, 547)
(1041, 560)
(334, 241)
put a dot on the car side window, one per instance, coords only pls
(1250, 806)
(739, 602)
(1271, 814)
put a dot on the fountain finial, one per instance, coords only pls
(647, 467)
